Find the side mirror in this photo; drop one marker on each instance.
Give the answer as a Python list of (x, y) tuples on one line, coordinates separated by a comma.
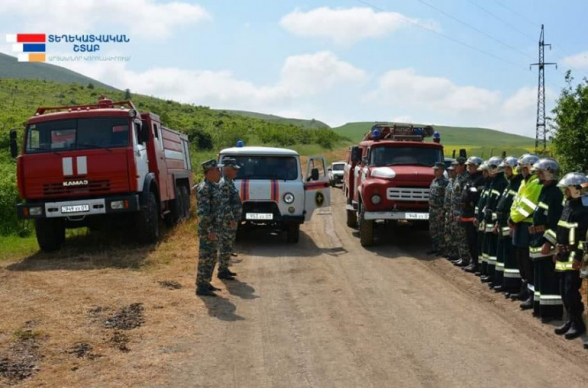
[(13, 145), (355, 154), (314, 174), (364, 160), (144, 134)]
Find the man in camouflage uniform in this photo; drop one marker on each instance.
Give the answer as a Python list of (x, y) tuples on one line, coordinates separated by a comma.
[(231, 216), (456, 209), (450, 248), (436, 216), (209, 225)]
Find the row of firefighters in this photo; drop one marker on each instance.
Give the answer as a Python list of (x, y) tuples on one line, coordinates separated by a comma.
[(521, 229)]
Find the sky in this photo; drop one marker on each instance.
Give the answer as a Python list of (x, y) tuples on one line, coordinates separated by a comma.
[(449, 62)]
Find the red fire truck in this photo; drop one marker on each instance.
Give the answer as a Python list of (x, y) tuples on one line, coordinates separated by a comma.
[(387, 176), (101, 165)]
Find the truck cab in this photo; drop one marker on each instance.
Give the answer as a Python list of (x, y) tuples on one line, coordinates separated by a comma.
[(101, 165), (391, 177), (273, 189)]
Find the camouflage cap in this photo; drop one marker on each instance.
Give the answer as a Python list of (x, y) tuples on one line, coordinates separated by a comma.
[(209, 165), (439, 165), (230, 162), (451, 168), (459, 160)]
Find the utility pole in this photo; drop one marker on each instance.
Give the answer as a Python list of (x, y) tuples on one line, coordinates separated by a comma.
[(541, 131)]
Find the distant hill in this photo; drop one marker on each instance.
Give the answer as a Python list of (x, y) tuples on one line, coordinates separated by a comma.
[(277, 119), (450, 135), (11, 68)]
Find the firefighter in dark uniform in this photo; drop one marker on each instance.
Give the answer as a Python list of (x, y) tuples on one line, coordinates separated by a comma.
[(521, 217), (547, 303), (474, 266), (571, 230), (497, 185), (469, 198), (506, 262)]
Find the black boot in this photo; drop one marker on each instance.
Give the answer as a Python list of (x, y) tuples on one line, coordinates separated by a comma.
[(528, 304), (500, 288), (485, 279), (523, 294), (471, 268), (457, 262), (577, 328), (432, 252), (204, 291), (225, 275), (213, 288)]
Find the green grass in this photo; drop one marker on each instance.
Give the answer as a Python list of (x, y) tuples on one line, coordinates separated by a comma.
[(11, 68), (473, 137), (312, 123), (13, 247)]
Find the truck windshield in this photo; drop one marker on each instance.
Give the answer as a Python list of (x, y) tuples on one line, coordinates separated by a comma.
[(392, 156), (77, 134), (267, 167), (338, 167)]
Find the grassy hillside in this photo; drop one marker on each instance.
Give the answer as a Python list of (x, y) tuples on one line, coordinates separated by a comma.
[(11, 68), (209, 130), (282, 120), (483, 142)]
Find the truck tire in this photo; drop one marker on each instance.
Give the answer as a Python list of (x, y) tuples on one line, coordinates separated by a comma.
[(366, 229), (293, 233), (176, 210), (148, 221), (50, 233), (352, 218), (186, 202)]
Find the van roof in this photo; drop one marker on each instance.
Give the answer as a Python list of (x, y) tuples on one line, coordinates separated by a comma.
[(259, 151)]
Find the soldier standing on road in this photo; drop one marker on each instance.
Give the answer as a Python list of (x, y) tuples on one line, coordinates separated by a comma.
[(521, 216), (497, 185), (505, 256), (231, 216), (450, 248), (436, 214), (209, 215), (456, 209), (571, 229), (547, 300)]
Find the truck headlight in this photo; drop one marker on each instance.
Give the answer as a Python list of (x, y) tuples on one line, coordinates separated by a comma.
[(35, 211), (376, 199), (288, 198), (117, 205)]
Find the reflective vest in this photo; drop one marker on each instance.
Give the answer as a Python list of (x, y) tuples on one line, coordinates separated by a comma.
[(526, 201)]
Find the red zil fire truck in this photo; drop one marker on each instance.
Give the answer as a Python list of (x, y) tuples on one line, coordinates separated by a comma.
[(102, 165), (387, 176)]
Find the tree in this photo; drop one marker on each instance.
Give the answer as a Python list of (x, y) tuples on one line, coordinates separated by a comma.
[(571, 126), (127, 94), (90, 85)]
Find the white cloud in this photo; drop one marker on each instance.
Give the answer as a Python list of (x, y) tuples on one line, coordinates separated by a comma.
[(141, 18), (302, 76), (344, 25), (578, 61)]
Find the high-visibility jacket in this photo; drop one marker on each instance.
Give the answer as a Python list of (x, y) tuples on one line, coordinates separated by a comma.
[(526, 201), (571, 230)]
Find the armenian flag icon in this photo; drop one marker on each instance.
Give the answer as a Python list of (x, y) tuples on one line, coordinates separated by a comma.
[(31, 47)]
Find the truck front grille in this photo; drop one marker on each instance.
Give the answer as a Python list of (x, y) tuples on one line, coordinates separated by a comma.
[(407, 194), (93, 187)]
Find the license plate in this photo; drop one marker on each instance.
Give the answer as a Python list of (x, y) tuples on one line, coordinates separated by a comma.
[(259, 216), (417, 216), (75, 208)]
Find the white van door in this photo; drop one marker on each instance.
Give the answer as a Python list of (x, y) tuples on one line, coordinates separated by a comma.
[(317, 192)]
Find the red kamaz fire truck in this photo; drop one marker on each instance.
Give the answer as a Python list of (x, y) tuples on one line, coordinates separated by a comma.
[(100, 166), (387, 176)]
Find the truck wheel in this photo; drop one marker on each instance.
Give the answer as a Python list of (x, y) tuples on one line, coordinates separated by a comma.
[(352, 218), (50, 233), (148, 221), (366, 229), (176, 210), (186, 202), (293, 233)]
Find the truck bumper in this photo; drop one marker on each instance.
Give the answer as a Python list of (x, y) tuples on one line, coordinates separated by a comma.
[(397, 215), (79, 208)]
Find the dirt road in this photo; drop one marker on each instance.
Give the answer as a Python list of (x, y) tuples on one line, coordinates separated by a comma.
[(328, 313)]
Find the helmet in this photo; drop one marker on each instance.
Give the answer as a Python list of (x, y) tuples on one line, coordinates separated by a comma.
[(574, 181), (474, 160), (494, 165), (483, 167), (549, 166), (510, 161), (528, 160)]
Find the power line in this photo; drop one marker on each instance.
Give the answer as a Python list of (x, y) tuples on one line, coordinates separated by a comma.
[(475, 29), (502, 20), (441, 34), (518, 14)]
